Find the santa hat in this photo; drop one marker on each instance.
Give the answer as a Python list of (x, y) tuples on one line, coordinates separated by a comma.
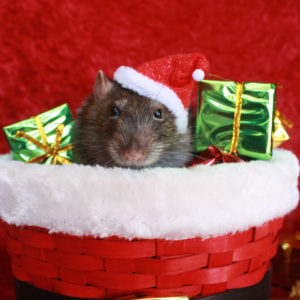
[(168, 80)]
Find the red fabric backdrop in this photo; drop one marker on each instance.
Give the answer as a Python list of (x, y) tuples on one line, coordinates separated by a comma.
[(51, 50)]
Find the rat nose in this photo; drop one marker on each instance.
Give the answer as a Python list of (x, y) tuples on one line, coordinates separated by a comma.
[(134, 154)]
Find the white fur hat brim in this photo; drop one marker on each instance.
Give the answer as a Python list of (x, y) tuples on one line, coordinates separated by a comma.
[(131, 79)]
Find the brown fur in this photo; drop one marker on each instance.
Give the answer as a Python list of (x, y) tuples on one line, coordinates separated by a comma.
[(100, 139)]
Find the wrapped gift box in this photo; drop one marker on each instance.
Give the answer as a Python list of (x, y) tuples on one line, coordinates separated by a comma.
[(45, 138), (236, 117)]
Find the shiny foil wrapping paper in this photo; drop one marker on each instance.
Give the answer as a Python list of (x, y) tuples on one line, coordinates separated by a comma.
[(218, 123), (45, 138), (280, 134)]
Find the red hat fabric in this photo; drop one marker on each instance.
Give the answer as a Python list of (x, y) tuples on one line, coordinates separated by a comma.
[(168, 80)]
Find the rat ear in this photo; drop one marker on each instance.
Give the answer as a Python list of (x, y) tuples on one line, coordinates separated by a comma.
[(102, 86)]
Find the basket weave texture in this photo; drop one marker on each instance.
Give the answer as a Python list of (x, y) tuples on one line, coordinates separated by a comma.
[(88, 267)]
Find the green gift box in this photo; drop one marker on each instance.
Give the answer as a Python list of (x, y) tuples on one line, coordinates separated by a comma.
[(236, 117), (45, 138)]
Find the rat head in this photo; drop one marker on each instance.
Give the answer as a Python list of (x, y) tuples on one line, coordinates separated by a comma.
[(118, 127), (141, 118)]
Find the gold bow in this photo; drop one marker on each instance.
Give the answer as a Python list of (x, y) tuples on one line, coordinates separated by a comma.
[(279, 133), (50, 151)]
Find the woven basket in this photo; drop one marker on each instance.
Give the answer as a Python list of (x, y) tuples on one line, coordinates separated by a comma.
[(113, 267)]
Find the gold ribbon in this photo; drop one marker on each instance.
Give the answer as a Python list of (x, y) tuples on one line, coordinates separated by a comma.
[(50, 151), (280, 135), (237, 113), (283, 119), (237, 118)]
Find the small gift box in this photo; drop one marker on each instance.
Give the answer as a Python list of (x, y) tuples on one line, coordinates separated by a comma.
[(45, 138), (236, 117)]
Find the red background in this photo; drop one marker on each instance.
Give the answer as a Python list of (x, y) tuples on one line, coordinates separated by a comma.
[(51, 50)]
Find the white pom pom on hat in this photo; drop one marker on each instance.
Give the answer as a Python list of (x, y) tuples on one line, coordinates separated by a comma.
[(168, 80), (198, 75)]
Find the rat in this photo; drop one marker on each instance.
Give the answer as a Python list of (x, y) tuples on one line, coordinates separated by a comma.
[(118, 127)]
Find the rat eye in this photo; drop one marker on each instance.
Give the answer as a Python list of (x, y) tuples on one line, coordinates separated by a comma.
[(114, 112), (158, 114)]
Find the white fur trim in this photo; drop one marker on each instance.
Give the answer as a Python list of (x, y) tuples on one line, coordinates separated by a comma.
[(167, 203), (198, 75), (145, 86)]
